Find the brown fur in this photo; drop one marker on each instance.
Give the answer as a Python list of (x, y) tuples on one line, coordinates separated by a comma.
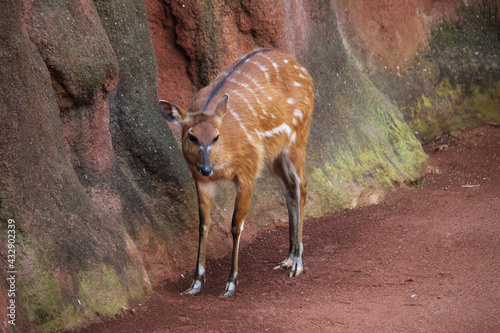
[(264, 119)]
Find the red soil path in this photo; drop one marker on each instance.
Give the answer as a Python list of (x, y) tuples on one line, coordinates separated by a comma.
[(425, 260)]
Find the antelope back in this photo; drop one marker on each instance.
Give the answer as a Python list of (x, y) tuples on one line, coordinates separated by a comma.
[(267, 112)]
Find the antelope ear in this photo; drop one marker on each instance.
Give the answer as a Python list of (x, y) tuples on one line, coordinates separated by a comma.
[(172, 113), (221, 108)]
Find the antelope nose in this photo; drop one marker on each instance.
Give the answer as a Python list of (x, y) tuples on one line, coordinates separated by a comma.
[(205, 170)]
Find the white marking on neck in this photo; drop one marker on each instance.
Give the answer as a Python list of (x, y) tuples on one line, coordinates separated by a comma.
[(290, 100)]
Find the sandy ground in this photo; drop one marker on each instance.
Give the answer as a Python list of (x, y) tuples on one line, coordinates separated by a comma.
[(425, 260)]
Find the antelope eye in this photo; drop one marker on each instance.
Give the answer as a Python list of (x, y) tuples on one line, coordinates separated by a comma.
[(216, 138), (192, 138)]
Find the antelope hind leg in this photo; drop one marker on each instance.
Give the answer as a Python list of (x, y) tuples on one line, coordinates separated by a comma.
[(291, 185)]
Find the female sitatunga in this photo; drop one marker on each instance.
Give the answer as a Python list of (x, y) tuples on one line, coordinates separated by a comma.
[(256, 113)]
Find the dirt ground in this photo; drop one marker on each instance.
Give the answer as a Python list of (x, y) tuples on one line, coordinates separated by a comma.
[(425, 260)]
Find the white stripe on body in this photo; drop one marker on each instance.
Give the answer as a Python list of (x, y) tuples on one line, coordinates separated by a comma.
[(283, 128)]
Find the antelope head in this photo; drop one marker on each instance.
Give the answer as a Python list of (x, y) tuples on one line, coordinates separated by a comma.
[(200, 133)]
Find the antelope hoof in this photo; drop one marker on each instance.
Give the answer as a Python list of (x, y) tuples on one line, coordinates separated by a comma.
[(229, 292), (194, 290), (295, 264)]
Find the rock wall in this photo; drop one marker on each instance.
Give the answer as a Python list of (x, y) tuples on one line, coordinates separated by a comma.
[(87, 172), (438, 61), (93, 178), (350, 115)]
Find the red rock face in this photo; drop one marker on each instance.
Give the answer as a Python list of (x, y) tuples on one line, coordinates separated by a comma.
[(390, 33), (200, 40), (71, 41)]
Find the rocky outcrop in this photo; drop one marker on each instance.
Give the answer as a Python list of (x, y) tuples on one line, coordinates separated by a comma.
[(352, 153), (438, 61), (84, 161)]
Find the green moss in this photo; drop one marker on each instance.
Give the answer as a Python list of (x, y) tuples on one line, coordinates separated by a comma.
[(484, 104), (426, 103), (447, 92), (463, 55), (101, 292), (377, 150), (41, 302), (333, 192), (451, 109), (448, 32)]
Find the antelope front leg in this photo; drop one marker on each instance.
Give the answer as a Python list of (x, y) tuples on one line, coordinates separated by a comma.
[(206, 191), (243, 199)]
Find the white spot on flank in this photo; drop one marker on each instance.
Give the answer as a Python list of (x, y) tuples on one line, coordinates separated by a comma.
[(275, 65), (302, 75), (293, 137), (298, 113), (290, 100), (295, 121), (283, 128), (286, 61), (297, 84)]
